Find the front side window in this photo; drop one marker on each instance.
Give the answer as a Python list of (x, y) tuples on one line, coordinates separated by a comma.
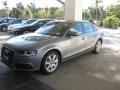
[(16, 21), (76, 29), (41, 23), (88, 27), (30, 21)]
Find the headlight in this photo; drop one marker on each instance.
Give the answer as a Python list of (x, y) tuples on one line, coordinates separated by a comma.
[(28, 53), (10, 27)]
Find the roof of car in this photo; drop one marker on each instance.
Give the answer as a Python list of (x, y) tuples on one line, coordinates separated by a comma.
[(70, 21)]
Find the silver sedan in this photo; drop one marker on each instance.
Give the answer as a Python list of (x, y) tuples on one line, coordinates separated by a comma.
[(51, 45)]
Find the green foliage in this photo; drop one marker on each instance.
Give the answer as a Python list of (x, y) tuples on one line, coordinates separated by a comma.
[(27, 13), (52, 12), (114, 10), (30, 11), (90, 13), (2, 13), (59, 13), (111, 22), (15, 13), (41, 13), (18, 11)]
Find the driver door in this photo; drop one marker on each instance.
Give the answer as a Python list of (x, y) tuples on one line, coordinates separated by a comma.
[(75, 39)]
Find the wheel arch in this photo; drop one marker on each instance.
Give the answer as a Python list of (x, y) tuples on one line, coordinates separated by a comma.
[(56, 50)]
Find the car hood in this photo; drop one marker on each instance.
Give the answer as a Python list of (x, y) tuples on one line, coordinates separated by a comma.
[(32, 40), (16, 25)]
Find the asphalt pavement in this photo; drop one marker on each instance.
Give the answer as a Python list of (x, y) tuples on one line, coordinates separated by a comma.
[(86, 72)]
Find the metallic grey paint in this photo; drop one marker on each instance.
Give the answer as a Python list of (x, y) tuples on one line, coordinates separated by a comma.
[(66, 45)]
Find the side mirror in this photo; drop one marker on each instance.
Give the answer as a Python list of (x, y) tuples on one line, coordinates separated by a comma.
[(72, 34)]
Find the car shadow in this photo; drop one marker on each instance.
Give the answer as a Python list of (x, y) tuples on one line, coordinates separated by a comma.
[(18, 80)]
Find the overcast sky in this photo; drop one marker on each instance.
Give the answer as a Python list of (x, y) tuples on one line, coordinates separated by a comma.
[(52, 3)]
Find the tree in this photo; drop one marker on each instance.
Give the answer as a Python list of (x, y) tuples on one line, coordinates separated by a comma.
[(15, 13), (111, 22), (52, 12), (27, 13), (18, 11), (42, 13), (114, 10), (31, 6), (59, 13), (2, 12), (6, 8)]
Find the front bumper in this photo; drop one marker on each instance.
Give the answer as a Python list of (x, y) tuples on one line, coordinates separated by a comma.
[(10, 31), (31, 63)]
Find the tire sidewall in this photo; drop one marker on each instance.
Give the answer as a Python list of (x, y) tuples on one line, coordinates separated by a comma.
[(43, 68), (95, 50), (5, 29)]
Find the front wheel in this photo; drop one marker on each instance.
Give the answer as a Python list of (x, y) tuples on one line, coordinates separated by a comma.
[(98, 47), (50, 62), (4, 29)]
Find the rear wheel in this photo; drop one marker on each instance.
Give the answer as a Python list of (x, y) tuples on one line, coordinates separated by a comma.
[(98, 47), (50, 62)]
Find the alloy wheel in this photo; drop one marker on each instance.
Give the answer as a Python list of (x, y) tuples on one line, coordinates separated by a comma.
[(51, 63)]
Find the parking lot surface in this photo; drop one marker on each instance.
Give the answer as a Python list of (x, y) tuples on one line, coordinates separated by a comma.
[(86, 72)]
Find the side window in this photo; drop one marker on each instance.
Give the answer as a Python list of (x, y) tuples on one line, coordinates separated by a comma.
[(88, 27), (40, 23), (76, 29)]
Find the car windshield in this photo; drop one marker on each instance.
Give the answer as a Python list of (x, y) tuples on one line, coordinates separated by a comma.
[(6, 20), (30, 21), (55, 29)]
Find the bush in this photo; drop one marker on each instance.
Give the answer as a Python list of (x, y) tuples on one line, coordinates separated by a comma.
[(111, 22), (91, 20), (98, 22), (119, 23)]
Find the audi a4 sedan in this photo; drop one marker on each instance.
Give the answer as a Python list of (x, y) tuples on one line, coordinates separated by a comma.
[(51, 45)]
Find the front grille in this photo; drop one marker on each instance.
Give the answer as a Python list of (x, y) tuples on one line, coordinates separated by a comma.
[(7, 55)]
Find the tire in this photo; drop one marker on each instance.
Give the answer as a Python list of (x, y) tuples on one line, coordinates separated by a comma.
[(50, 62), (16, 33), (98, 47), (4, 29)]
